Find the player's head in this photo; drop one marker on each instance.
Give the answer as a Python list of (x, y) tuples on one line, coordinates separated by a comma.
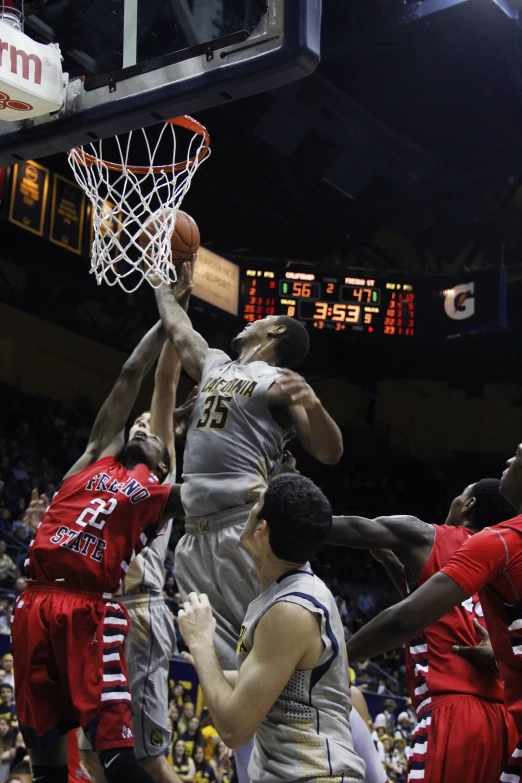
[(290, 521), (285, 338), (141, 424), (150, 450), (511, 482), (480, 505)]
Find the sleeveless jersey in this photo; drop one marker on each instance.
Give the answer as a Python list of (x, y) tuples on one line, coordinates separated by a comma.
[(432, 668), (98, 521), (147, 570), (491, 562), (233, 443), (306, 735)]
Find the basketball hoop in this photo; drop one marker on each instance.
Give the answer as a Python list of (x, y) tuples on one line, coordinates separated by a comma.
[(125, 197)]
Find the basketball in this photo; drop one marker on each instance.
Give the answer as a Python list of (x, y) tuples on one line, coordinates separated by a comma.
[(185, 238)]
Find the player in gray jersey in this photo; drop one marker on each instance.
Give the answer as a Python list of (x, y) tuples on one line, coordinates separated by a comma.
[(291, 686), (245, 413)]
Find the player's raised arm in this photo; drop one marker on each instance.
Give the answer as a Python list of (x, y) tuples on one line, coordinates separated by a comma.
[(107, 436), (394, 532), (166, 380), (318, 433), (190, 345)]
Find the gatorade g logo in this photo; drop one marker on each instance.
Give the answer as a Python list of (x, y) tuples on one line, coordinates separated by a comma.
[(459, 301)]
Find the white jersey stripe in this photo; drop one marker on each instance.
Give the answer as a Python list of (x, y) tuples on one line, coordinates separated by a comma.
[(112, 696)]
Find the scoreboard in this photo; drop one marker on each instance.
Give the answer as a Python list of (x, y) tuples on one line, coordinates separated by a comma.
[(354, 304), (376, 306)]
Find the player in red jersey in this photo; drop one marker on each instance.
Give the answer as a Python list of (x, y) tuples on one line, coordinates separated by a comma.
[(454, 695), (68, 635), (489, 563)]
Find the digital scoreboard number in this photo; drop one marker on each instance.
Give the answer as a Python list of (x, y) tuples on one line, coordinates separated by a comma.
[(361, 305)]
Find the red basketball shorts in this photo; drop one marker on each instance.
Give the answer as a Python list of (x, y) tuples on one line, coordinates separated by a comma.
[(70, 667), (461, 739)]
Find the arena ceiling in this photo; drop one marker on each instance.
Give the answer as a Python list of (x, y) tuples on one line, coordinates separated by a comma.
[(403, 151)]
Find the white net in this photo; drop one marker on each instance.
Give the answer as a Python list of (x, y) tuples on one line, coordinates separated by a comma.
[(134, 207)]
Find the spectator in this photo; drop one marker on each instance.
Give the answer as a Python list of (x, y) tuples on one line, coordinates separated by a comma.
[(187, 712), (178, 694), (379, 731), (183, 765), (399, 760), (7, 751), (204, 770), (7, 705), (174, 718), (210, 738), (7, 665), (8, 570), (223, 763), (403, 730), (387, 718), (192, 737), (5, 620)]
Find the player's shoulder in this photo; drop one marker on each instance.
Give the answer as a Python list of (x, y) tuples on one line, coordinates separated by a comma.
[(215, 357), (100, 465), (445, 533)]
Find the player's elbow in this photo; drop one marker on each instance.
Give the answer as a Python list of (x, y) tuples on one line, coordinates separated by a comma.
[(235, 739), (331, 454)]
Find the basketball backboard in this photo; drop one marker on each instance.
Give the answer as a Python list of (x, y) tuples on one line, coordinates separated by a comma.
[(132, 63)]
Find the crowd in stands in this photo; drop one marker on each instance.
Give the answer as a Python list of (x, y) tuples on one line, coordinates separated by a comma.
[(39, 440)]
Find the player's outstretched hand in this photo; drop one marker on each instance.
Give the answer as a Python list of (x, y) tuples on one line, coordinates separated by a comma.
[(185, 284), (288, 465), (182, 413), (480, 654), (296, 391), (36, 509), (196, 621)]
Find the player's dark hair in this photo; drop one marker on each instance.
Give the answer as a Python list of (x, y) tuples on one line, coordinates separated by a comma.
[(293, 344), (298, 515), (491, 507)]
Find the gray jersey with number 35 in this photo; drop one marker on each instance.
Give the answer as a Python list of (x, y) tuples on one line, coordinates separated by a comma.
[(233, 442)]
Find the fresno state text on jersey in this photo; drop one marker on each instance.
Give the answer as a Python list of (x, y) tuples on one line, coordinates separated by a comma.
[(96, 524)]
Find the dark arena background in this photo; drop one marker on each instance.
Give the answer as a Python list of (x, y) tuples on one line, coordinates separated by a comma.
[(378, 200)]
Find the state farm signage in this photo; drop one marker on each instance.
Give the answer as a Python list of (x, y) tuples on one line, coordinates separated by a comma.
[(29, 66), (31, 79)]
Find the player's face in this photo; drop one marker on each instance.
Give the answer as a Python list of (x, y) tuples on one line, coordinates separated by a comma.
[(457, 512), (146, 449), (511, 482), (254, 333), (142, 424)]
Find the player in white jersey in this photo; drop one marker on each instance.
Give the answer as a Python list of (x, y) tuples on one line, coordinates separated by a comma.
[(245, 413), (290, 689)]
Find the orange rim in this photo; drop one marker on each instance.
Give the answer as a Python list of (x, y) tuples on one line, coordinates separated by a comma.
[(189, 123)]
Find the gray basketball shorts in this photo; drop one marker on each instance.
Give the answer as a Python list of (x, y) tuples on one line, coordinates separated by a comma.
[(210, 559), (148, 651)]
